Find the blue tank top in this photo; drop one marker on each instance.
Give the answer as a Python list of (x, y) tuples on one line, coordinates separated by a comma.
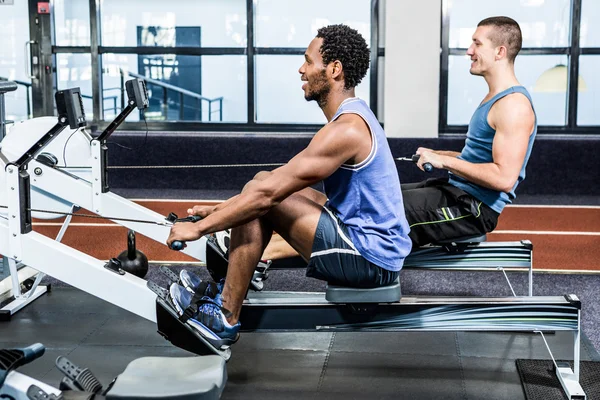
[(368, 199), (478, 149)]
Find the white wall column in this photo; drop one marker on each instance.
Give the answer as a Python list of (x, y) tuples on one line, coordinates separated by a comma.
[(412, 68)]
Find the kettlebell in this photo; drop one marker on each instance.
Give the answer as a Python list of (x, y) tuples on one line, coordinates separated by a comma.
[(132, 260)]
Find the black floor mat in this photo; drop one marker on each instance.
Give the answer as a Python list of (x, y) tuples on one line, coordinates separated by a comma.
[(540, 382)]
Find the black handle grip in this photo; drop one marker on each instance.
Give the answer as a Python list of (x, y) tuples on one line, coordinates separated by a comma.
[(32, 352), (427, 166), (177, 245)]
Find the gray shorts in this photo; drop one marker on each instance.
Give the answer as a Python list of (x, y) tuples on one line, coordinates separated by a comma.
[(335, 259)]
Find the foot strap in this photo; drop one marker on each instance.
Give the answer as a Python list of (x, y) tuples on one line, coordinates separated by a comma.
[(192, 310)]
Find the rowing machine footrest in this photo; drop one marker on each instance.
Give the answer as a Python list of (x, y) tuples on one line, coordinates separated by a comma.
[(179, 333), (77, 378), (14, 358), (383, 294)]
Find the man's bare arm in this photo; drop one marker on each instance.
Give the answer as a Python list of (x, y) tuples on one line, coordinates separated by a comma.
[(332, 146), (449, 153), (513, 119)]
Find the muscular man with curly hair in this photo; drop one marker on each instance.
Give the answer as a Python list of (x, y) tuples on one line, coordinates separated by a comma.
[(356, 234)]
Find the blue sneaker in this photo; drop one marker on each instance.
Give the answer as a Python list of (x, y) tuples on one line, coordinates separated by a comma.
[(209, 319), (192, 283)]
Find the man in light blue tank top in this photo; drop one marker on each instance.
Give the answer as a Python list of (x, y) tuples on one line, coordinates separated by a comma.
[(354, 235), (484, 175)]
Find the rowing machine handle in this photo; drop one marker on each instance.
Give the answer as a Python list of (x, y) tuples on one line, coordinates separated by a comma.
[(427, 166), (177, 245), (32, 352)]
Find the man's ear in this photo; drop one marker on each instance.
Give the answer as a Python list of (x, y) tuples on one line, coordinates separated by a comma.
[(336, 69), (501, 52)]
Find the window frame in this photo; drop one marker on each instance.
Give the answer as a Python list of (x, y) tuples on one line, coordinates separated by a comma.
[(572, 52), (250, 51)]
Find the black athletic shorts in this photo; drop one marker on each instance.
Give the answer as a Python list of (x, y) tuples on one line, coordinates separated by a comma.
[(335, 259)]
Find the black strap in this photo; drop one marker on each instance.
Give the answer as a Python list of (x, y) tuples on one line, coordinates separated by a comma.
[(192, 310)]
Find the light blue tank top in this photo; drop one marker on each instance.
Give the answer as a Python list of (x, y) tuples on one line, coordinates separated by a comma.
[(367, 197), (478, 149)]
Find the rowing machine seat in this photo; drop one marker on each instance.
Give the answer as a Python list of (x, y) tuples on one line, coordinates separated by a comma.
[(465, 239), (383, 294)]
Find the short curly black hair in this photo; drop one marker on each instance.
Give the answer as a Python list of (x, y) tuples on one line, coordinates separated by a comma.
[(340, 42)]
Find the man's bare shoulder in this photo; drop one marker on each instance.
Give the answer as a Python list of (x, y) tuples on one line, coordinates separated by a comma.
[(514, 104), (514, 108), (350, 125)]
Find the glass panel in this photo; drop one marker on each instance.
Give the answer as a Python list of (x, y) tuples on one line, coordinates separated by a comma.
[(465, 91), (590, 30), (14, 31), (588, 102), (211, 88), (75, 70), (294, 24), (279, 96), (544, 23), (189, 23), (72, 22)]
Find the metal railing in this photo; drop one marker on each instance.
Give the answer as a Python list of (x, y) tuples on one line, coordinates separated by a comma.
[(165, 87), (27, 86)]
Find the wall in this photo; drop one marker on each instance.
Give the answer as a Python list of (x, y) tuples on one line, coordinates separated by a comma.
[(411, 98)]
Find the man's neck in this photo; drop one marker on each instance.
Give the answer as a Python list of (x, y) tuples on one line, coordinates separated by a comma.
[(334, 99), (501, 79)]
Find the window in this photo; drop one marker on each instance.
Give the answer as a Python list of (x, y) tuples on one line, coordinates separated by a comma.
[(14, 31), (220, 64), (71, 22), (295, 24), (590, 31), (279, 91), (589, 91), (548, 51), (174, 83), (75, 70), (219, 23)]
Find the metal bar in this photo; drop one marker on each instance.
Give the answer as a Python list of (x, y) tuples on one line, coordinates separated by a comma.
[(168, 86), (96, 61), (293, 311), (508, 280), (577, 348), (288, 51), (574, 64), (165, 103), (110, 129), (28, 95), (251, 67), (528, 51), (531, 276), (543, 129), (589, 50), (374, 70), (309, 129), (182, 51), (444, 54), (2, 117), (210, 111), (122, 82), (220, 110), (71, 49), (181, 110)]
